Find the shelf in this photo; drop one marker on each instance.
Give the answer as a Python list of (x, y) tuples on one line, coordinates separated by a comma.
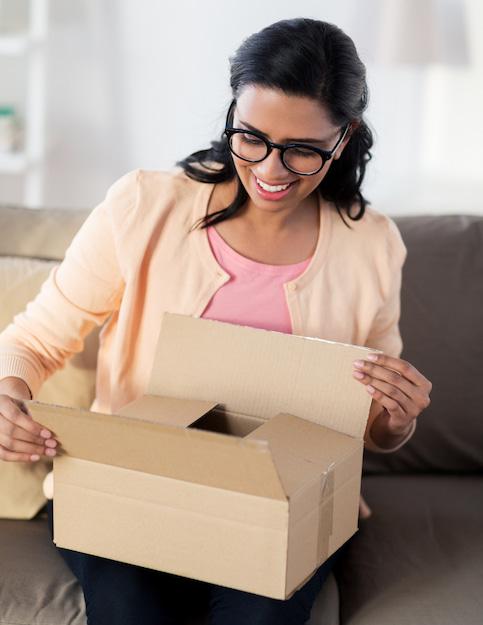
[(13, 163), (26, 47), (14, 45)]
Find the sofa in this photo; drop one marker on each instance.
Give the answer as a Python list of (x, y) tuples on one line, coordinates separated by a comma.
[(418, 559)]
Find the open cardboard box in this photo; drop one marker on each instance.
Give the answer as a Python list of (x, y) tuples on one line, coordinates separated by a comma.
[(240, 467)]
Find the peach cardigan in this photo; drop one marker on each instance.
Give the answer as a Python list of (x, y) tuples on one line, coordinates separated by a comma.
[(135, 257)]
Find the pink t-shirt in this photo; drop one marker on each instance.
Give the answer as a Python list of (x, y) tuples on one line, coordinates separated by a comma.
[(254, 295)]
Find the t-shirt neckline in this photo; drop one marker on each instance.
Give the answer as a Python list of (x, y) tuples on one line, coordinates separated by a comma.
[(253, 266)]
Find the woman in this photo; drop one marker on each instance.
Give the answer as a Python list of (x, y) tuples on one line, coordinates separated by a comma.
[(266, 228)]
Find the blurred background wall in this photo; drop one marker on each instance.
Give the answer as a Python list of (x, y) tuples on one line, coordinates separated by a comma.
[(141, 84)]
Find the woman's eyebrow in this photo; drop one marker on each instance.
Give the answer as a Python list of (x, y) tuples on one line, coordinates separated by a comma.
[(250, 127)]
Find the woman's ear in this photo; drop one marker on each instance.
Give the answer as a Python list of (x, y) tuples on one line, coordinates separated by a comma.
[(352, 128)]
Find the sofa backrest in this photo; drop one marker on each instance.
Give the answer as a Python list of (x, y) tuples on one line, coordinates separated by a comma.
[(38, 233), (442, 330)]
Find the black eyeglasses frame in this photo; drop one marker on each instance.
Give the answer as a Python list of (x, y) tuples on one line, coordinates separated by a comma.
[(325, 155)]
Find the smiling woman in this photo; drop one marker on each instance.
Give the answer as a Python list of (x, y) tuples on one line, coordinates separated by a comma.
[(292, 80), (266, 228)]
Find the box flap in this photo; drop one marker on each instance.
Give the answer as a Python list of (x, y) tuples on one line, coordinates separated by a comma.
[(260, 373), (303, 451), (181, 453), (168, 410)]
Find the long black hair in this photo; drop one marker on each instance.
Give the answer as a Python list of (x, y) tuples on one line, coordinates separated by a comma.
[(301, 57)]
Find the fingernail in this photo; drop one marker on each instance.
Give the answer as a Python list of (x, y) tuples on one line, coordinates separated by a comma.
[(50, 452), (358, 363), (358, 375), (370, 389), (51, 442), (45, 434), (372, 357), (34, 457)]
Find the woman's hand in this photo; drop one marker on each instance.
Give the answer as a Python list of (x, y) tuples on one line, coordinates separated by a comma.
[(400, 393), (21, 438)]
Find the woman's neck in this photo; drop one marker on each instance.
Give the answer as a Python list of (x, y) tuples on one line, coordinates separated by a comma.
[(276, 238)]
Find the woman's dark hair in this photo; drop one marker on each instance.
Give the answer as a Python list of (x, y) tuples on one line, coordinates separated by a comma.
[(301, 57)]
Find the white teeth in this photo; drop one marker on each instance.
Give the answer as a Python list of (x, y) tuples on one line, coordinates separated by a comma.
[(267, 187)]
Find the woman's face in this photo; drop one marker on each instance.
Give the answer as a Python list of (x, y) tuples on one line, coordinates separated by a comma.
[(282, 118)]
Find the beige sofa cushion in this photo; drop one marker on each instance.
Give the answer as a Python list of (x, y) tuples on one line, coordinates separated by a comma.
[(20, 483)]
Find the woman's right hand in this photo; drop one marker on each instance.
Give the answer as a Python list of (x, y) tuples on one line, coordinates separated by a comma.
[(21, 438)]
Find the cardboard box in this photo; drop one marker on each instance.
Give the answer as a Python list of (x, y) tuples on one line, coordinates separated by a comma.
[(240, 467)]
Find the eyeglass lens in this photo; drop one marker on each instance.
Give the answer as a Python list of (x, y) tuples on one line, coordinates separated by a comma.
[(252, 148)]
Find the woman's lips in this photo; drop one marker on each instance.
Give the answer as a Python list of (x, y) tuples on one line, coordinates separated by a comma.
[(273, 195)]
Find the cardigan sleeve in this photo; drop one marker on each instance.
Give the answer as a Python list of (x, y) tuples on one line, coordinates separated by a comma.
[(79, 294), (385, 334)]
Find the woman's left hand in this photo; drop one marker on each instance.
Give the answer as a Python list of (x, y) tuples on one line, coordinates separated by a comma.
[(397, 386)]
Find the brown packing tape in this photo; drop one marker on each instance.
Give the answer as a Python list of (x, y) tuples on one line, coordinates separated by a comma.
[(307, 524), (326, 517), (310, 532)]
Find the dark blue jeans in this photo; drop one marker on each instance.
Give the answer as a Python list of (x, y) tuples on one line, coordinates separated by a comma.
[(122, 594)]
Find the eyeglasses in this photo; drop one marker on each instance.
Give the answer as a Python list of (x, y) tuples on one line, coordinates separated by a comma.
[(299, 158)]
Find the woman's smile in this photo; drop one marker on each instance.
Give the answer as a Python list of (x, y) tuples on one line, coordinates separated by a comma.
[(273, 191)]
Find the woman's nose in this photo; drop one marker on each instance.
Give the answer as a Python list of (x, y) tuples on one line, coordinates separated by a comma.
[(271, 169)]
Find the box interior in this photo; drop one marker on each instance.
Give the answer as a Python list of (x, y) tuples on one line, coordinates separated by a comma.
[(224, 422)]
